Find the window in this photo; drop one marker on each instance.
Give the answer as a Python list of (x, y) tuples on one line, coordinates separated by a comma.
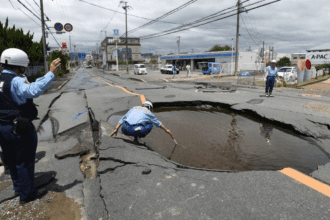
[(136, 56), (136, 49), (294, 58)]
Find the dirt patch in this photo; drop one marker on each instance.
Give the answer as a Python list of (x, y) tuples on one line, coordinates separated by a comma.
[(318, 107), (5, 185), (52, 206)]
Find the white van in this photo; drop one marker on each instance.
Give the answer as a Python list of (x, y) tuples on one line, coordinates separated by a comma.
[(288, 73), (140, 69)]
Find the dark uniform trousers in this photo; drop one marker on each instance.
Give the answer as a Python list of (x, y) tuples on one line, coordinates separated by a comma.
[(19, 150), (270, 83)]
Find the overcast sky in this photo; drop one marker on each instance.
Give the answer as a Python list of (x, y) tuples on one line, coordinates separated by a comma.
[(290, 26)]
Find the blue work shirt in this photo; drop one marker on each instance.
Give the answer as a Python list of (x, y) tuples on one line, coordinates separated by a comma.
[(21, 90), (140, 115), (272, 71), (174, 69)]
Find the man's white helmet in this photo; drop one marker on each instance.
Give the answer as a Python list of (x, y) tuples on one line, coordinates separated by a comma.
[(148, 105), (273, 61), (16, 57)]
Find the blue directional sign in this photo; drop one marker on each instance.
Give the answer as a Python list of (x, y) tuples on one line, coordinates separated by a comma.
[(116, 31), (71, 55), (81, 55)]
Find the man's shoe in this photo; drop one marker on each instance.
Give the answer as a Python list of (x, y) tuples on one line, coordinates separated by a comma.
[(40, 193)]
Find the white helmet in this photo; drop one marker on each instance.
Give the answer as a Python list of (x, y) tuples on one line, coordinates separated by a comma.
[(148, 105), (273, 61), (16, 57)]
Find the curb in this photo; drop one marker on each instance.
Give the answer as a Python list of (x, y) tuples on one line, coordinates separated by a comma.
[(312, 82), (58, 88), (141, 80)]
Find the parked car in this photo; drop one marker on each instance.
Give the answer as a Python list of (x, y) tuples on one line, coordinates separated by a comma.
[(89, 66), (140, 69), (168, 69), (210, 67), (288, 73)]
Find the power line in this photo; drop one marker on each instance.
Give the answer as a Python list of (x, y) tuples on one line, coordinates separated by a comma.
[(175, 31), (248, 31), (111, 18), (39, 9), (124, 13), (212, 16), (31, 7), (30, 18), (12, 5), (28, 9), (163, 16)]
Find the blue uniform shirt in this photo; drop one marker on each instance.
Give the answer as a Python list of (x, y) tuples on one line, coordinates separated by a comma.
[(21, 91), (140, 115), (272, 71)]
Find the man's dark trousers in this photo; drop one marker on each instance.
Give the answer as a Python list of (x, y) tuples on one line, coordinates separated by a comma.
[(20, 151), (270, 83)]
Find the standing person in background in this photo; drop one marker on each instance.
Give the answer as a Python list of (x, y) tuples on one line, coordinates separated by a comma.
[(174, 70), (18, 137), (270, 78), (188, 70)]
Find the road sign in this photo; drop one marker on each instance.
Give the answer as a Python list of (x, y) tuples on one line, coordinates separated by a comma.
[(64, 44), (79, 56), (308, 64), (116, 31), (68, 27), (58, 26)]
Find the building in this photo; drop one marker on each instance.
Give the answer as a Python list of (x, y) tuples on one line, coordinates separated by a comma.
[(108, 51), (279, 56), (296, 56), (148, 57), (319, 55), (248, 60)]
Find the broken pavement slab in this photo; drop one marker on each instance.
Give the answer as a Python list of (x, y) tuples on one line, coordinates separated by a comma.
[(78, 150), (322, 173), (67, 107)]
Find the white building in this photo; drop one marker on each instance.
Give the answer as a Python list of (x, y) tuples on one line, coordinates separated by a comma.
[(319, 55), (248, 60)]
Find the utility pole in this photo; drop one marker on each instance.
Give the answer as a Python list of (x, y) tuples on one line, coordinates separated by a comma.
[(178, 44), (70, 45), (272, 53), (269, 54), (263, 51), (237, 36), (126, 52), (105, 34), (43, 35)]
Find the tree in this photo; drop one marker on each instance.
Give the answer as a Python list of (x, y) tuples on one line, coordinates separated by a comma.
[(64, 60), (15, 38), (153, 61), (218, 47), (284, 61)]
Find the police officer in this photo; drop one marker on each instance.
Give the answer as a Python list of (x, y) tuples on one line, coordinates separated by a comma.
[(18, 137), (138, 122), (270, 80)]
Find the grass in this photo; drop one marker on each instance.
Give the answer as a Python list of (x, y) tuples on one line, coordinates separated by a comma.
[(312, 80)]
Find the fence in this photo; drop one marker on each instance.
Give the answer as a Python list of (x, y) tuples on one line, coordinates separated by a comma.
[(34, 69), (253, 77)]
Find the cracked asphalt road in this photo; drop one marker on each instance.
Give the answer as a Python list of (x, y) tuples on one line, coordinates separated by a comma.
[(135, 182)]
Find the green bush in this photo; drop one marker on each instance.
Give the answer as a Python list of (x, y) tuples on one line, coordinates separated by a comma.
[(153, 61), (121, 62), (320, 67), (60, 72), (130, 62)]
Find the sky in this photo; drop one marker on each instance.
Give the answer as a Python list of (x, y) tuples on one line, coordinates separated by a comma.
[(290, 26)]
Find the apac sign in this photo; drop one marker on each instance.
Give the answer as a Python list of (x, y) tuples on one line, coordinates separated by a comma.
[(319, 57)]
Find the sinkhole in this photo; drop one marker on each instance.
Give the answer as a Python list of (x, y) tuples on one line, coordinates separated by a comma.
[(214, 138)]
